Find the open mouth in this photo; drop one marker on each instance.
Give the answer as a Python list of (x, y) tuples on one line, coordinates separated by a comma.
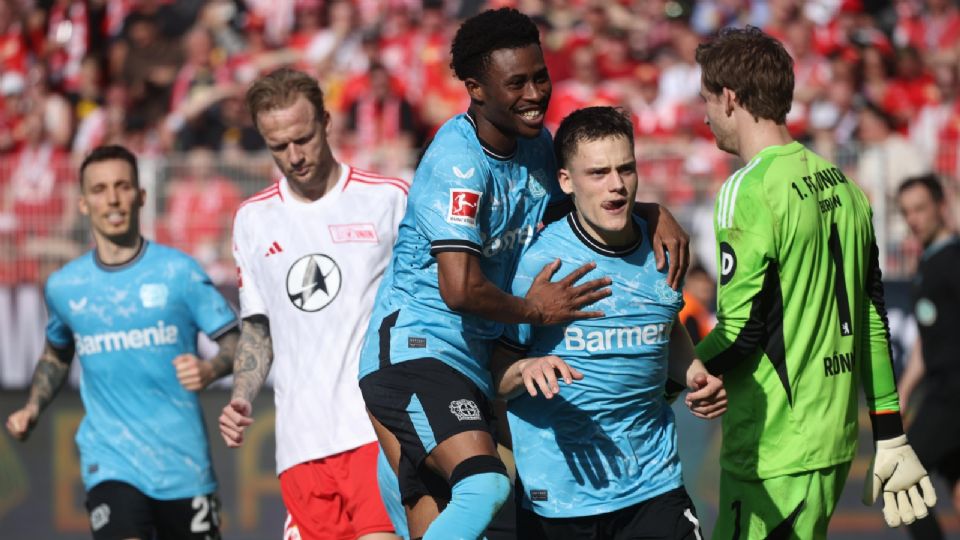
[(115, 218), (531, 116)]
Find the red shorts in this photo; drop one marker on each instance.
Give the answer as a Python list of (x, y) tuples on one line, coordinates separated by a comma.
[(336, 497)]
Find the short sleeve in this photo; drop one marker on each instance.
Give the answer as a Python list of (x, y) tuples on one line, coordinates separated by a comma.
[(251, 301), (449, 191), (57, 332), (209, 308)]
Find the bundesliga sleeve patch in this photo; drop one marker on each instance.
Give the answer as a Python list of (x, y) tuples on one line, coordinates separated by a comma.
[(464, 204)]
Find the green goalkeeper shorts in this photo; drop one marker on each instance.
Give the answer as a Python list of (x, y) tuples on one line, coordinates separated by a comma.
[(794, 507)]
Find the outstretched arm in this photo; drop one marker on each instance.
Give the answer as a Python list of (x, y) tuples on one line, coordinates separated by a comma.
[(196, 374), (253, 360), (48, 377), (465, 289)]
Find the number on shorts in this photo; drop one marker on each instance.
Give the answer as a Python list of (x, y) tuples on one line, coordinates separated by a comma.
[(205, 506)]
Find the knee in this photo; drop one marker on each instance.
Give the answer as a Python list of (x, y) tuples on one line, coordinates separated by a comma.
[(481, 478)]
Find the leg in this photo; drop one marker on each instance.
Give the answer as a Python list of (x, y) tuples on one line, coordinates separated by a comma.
[(358, 483), (313, 500), (119, 510), (192, 518)]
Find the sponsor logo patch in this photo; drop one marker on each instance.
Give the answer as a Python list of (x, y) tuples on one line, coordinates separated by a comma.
[(354, 232), (464, 204), (417, 342), (464, 409), (313, 282), (728, 263), (99, 517), (538, 495)]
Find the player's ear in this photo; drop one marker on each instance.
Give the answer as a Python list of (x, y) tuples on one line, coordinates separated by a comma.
[(141, 198), (729, 100), (565, 181), (325, 122), (474, 89)]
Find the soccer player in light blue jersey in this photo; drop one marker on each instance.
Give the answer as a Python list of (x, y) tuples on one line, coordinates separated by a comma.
[(598, 459), (484, 186), (131, 310)]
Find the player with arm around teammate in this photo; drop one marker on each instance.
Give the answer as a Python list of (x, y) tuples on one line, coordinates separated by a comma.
[(483, 187), (801, 318), (598, 458), (130, 310), (310, 252)]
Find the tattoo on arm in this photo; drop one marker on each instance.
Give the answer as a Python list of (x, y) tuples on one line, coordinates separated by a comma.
[(254, 357), (222, 363), (50, 374)]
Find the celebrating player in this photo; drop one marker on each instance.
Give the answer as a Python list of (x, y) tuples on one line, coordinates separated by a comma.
[(479, 194), (131, 309), (801, 320), (598, 459), (310, 251), (934, 432)]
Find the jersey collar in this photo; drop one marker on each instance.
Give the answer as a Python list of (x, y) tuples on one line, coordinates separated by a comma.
[(487, 149), (141, 251), (609, 251), (936, 247)]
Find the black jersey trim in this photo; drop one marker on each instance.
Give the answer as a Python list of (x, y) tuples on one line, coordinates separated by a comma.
[(487, 149), (512, 345), (463, 246), (874, 283), (764, 329), (219, 332), (886, 425), (107, 267), (785, 529), (386, 325), (609, 251)]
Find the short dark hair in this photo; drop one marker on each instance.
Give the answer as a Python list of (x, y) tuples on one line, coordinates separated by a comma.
[(110, 152), (280, 89), (589, 124), (929, 181), (492, 30), (752, 64)]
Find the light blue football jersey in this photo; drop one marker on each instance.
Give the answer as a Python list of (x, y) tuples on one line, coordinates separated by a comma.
[(128, 322), (464, 198), (608, 441)]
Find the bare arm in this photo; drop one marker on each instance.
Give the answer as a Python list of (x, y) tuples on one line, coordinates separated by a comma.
[(707, 397), (253, 359), (513, 374), (465, 289), (48, 378), (196, 374), (912, 374)]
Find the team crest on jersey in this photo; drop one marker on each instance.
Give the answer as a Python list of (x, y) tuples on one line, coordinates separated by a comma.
[(536, 185), (464, 204), (464, 409), (154, 295), (354, 232), (666, 294), (313, 282), (99, 517)]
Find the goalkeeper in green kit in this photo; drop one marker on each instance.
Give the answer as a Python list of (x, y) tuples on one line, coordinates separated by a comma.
[(801, 320)]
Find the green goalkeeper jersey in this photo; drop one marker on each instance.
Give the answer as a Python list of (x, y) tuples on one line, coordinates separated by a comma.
[(801, 321)]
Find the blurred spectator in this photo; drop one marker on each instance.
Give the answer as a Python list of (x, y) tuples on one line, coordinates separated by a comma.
[(680, 74), (699, 304), (53, 107), (887, 158), (709, 16), (934, 28), (586, 88), (204, 68), (68, 39), (811, 73), (88, 96), (199, 212), (146, 62), (380, 125), (336, 48), (933, 126), (13, 44)]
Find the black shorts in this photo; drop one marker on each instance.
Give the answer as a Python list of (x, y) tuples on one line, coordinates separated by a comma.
[(119, 510), (423, 403), (935, 437), (669, 516)]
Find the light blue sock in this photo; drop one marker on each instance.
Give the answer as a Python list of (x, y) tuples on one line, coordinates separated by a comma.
[(474, 501)]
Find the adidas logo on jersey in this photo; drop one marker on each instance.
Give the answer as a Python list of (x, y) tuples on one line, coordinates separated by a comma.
[(139, 338), (608, 339), (274, 249)]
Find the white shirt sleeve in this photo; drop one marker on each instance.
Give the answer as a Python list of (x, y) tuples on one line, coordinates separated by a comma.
[(251, 301)]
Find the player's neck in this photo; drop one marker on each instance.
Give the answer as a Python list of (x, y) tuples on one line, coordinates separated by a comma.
[(491, 136), (116, 251), (325, 180), (756, 136), (611, 239)]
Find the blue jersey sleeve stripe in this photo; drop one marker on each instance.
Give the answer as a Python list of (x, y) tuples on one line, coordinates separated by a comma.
[(441, 246)]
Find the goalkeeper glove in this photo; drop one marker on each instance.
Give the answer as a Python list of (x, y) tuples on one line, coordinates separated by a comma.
[(897, 471)]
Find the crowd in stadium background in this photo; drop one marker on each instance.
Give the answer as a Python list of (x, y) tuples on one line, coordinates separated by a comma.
[(876, 92)]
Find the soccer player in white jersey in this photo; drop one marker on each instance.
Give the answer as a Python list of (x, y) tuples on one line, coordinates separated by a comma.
[(130, 309), (310, 252)]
